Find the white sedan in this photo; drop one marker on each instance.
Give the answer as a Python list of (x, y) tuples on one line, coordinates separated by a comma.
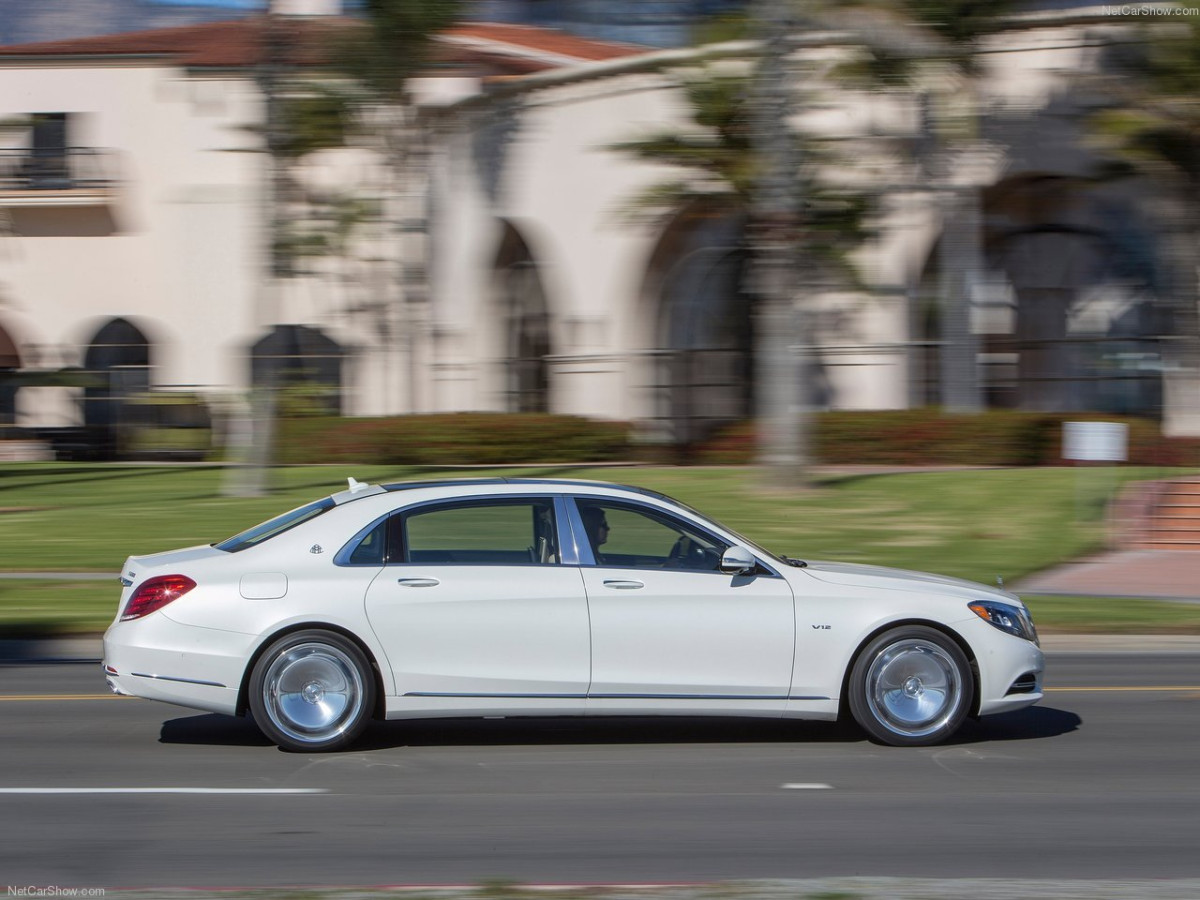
[(532, 597)]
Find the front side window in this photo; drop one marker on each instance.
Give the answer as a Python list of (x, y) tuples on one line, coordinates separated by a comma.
[(635, 537), (492, 532)]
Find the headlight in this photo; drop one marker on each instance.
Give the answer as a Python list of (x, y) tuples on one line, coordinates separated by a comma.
[(1008, 618)]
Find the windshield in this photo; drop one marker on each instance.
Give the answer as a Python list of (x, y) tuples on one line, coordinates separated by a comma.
[(277, 525)]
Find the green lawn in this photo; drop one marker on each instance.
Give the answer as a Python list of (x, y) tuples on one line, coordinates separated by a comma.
[(57, 517)]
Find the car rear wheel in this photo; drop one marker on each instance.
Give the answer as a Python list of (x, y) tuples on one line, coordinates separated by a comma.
[(312, 691), (911, 686)]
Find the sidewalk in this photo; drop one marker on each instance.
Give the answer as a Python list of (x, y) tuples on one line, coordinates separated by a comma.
[(1144, 574)]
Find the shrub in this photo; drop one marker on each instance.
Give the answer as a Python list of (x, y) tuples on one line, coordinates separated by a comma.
[(453, 439), (931, 437)]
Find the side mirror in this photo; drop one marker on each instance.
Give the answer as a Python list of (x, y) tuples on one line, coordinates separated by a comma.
[(738, 561)]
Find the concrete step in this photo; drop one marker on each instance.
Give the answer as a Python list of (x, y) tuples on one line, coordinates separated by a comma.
[(1176, 512), (1175, 523), (1173, 544)]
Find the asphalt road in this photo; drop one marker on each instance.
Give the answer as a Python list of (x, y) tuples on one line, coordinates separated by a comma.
[(1099, 782)]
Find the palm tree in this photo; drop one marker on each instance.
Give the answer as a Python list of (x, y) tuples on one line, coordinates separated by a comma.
[(1150, 123), (933, 48), (361, 87), (721, 166), (394, 43)]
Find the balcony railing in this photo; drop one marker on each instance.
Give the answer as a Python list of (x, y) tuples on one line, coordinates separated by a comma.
[(70, 176)]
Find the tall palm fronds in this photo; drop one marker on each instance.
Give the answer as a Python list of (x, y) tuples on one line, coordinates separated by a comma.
[(719, 165), (1151, 111), (1149, 121)]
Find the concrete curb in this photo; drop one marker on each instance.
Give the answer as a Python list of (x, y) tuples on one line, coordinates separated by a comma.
[(850, 888)]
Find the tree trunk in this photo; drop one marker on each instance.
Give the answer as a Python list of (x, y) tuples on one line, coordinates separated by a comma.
[(962, 270), (781, 405)]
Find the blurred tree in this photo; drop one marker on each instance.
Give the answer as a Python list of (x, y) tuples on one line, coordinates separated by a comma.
[(370, 62), (1148, 118), (933, 48), (726, 163), (393, 44)]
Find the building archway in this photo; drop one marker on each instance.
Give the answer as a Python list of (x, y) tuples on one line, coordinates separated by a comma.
[(10, 364), (1069, 316), (698, 279), (117, 364), (302, 366), (524, 314)]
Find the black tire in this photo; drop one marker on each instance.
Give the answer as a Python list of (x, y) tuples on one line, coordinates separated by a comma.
[(911, 687), (312, 691)]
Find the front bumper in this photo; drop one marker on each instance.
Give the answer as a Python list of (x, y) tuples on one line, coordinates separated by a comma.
[(1010, 673)]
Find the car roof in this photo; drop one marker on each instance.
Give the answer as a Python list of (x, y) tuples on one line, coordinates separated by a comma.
[(547, 482)]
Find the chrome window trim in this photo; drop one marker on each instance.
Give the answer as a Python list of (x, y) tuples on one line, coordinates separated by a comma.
[(342, 558)]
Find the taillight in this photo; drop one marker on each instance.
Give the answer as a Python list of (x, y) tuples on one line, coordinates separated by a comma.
[(155, 593)]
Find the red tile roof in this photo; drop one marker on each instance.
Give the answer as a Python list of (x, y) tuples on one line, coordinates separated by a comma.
[(543, 41), (499, 49)]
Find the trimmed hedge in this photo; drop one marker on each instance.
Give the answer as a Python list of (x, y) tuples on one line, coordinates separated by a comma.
[(453, 439), (905, 437), (930, 437)]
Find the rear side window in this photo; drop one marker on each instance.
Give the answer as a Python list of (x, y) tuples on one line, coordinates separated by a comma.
[(275, 526), (496, 532)]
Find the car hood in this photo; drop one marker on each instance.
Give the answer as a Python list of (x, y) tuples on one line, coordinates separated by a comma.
[(856, 575)]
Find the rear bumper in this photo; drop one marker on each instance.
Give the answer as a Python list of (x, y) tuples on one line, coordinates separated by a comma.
[(158, 659)]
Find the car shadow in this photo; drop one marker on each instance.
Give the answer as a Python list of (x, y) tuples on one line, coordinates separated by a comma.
[(213, 730), (217, 730), (1031, 723)]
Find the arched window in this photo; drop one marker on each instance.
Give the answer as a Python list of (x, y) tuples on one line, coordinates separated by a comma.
[(700, 278), (304, 365), (526, 322), (10, 364), (117, 363)]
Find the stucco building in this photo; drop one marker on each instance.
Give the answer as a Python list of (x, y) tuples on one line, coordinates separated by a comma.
[(504, 272)]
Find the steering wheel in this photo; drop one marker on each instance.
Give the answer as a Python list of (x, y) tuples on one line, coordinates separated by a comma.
[(688, 554), (679, 552)]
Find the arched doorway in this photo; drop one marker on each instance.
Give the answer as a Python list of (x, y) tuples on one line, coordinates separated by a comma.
[(1068, 316), (699, 277), (117, 364), (1078, 272), (525, 321), (10, 364), (303, 366)]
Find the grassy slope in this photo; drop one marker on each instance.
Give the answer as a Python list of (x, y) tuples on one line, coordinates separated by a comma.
[(972, 524)]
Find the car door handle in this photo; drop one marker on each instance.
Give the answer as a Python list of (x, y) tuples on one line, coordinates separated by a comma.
[(418, 582), (618, 585)]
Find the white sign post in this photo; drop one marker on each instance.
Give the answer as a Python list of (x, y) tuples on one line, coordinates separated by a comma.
[(1094, 442)]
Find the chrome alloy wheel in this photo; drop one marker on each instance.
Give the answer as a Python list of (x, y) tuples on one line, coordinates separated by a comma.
[(914, 687), (313, 692)]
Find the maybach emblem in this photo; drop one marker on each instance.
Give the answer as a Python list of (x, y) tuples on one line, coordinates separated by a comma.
[(316, 548)]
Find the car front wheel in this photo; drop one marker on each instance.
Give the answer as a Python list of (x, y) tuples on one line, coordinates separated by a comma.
[(911, 686), (312, 691)]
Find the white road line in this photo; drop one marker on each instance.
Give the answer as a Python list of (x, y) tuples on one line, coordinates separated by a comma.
[(158, 790), (814, 786)]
